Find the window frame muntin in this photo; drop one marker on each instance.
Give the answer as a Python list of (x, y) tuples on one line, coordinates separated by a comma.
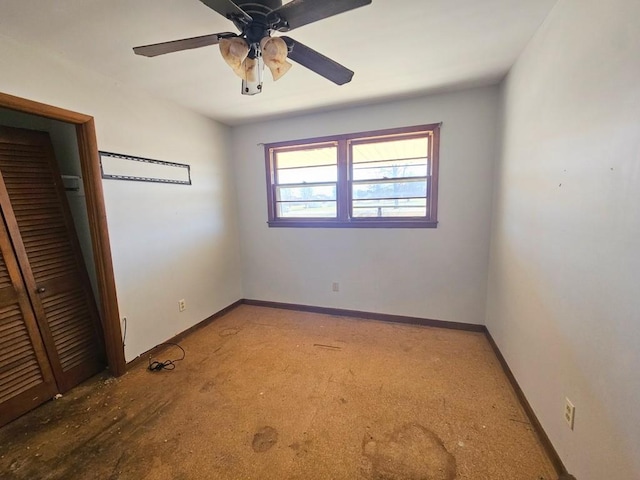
[(344, 191)]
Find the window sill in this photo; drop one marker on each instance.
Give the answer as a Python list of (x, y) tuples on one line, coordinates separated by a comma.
[(408, 223)]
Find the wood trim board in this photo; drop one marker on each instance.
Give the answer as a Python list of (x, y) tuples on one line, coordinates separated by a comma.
[(426, 322)]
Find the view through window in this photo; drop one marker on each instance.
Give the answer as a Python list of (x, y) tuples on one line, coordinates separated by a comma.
[(371, 179), (307, 182)]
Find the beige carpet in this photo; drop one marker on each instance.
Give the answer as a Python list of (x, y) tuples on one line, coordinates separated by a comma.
[(274, 394)]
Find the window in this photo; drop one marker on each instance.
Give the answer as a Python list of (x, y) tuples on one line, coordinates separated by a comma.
[(386, 178)]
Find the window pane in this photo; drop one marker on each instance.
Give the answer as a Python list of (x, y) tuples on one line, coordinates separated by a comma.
[(307, 210), (416, 188), (410, 207), (307, 175), (391, 169), (390, 178), (311, 157), (325, 192), (391, 150)]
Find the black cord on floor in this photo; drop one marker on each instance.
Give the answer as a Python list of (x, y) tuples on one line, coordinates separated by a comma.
[(155, 366)]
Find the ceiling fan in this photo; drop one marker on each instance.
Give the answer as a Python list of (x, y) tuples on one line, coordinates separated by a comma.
[(248, 52)]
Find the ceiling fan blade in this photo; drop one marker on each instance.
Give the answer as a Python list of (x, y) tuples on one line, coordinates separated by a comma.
[(301, 12), (227, 9), (179, 45), (317, 62)]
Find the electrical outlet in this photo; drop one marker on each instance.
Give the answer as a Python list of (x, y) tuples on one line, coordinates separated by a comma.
[(335, 286), (182, 305), (569, 413)]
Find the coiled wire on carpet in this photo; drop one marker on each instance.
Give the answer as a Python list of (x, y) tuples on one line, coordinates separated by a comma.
[(155, 366)]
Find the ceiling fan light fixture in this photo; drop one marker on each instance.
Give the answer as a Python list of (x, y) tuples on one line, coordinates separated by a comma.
[(274, 53), (235, 51)]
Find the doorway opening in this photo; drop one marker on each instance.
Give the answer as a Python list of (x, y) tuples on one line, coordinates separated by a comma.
[(97, 219)]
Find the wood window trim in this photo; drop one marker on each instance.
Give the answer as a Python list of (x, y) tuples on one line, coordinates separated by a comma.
[(344, 143), (92, 180)]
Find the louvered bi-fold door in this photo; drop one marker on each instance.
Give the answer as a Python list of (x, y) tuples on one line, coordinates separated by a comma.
[(25, 375), (40, 226)]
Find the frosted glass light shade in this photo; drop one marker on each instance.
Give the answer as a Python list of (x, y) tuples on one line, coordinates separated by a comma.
[(234, 51), (274, 53)]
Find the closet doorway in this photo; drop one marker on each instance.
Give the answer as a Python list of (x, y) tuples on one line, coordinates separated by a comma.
[(50, 333), (24, 294)]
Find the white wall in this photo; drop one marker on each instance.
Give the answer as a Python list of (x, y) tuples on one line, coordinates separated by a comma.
[(564, 298), (168, 241), (429, 273)]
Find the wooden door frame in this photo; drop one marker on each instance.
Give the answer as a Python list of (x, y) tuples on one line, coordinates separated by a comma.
[(94, 198)]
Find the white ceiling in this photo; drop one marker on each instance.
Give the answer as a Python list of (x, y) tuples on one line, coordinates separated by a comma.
[(398, 48)]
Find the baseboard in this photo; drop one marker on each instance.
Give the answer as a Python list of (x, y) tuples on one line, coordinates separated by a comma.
[(427, 322), (535, 423), (308, 308), (180, 336)]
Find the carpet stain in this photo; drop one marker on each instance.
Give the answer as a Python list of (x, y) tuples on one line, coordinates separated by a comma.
[(264, 439), (227, 332), (301, 448), (412, 452), (207, 387)]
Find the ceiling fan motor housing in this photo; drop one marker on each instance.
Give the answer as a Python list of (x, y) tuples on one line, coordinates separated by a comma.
[(258, 28)]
